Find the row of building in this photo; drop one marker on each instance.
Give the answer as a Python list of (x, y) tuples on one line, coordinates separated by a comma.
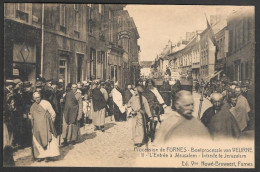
[(73, 42), (227, 46)]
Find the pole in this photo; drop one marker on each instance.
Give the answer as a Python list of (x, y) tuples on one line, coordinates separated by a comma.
[(201, 100), (42, 41)]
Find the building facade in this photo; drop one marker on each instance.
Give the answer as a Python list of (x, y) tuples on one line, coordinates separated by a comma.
[(241, 49), (73, 42)]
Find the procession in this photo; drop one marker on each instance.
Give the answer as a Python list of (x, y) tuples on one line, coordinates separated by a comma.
[(62, 105)]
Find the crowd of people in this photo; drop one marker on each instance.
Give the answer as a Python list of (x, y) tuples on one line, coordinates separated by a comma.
[(44, 114)]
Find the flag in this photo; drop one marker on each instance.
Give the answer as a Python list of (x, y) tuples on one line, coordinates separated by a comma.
[(211, 33), (212, 38)]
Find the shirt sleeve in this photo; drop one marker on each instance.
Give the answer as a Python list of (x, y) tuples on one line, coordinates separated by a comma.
[(146, 107), (50, 109), (80, 106)]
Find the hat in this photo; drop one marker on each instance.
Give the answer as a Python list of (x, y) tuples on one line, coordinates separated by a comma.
[(27, 84), (54, 82), (60, 80), (49, 80), (9, 82), (38, 84), (42, 79), (17, 81)]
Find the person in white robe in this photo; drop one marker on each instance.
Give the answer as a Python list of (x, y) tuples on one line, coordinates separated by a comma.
[(45, 142)]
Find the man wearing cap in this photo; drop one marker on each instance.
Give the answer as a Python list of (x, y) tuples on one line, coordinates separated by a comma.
[(99, 107), (119, 108), (72, 114), (181, 123), (219, 120)]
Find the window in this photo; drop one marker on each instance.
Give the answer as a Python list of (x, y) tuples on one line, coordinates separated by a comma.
[(79, 67), (76, 7), (100, 8), (62, 15), (76, 19), (110, 31), (63, 70), (231, 41), (89, 20), (21, 7), (249, 30), (109, 15), (63, 18), (93, 63), (21, 12)]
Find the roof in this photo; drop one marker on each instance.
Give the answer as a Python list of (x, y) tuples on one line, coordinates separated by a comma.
[(146, 64)]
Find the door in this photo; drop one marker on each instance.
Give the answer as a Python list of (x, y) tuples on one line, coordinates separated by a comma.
[(79, 67), (63, 70)]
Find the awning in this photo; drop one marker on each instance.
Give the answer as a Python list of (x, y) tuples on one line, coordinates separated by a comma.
[(208, 78)]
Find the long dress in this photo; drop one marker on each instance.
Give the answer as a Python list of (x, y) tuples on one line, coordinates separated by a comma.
[(137, 120), (98, 107), (45, 142), (223, 124), (119, 108), (72, 114), (240, 112)]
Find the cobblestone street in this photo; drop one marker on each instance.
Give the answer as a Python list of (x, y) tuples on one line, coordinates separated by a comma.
[(114, 147)]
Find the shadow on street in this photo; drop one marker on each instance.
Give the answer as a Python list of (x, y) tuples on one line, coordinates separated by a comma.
[(109, 125)]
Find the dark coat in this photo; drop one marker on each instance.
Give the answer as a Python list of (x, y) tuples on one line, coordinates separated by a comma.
[(223, 124), (128, 95), (71, 108), (98, 99)]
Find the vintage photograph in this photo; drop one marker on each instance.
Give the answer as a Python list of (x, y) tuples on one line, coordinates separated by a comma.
[(128, 85)]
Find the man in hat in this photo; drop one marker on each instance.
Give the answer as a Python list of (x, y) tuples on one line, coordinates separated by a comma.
[(8, 124), (54, 99), (128, 93), (72, 114), (219, 120), (99, 106), (27, 103), (18, 113), (119, 108), (165, 91), (181, 123), (47, 90), (109, 88), (154, 107), (45, 142)]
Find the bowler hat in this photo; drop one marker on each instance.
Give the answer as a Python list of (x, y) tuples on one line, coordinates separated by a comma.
[(38, 84), (27, 84), (17, 81)]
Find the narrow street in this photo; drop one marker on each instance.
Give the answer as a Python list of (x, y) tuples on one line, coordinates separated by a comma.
[(112, 148)]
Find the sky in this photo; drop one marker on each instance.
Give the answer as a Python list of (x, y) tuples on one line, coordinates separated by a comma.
[(157, 24)]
